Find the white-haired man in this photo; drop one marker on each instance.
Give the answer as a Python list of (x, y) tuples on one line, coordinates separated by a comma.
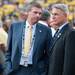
[(62, 51)]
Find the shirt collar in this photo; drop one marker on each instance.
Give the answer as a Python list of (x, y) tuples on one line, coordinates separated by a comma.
[(27, 24), (53, 31)]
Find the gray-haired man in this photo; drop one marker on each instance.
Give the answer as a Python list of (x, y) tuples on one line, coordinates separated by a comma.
[(62, 52)]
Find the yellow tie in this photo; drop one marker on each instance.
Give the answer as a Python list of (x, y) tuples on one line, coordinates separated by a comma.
[(27, 42)]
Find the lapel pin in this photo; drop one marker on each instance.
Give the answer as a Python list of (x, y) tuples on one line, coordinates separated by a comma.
[(40, 31), (59, 35)]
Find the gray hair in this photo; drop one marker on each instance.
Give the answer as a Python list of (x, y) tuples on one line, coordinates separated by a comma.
[(24, 8), (62, 7)]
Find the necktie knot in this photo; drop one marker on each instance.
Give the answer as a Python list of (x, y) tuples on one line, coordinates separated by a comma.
[(56, 34)]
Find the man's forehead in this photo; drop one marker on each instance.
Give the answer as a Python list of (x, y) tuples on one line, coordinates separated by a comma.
[(36, 8), (57, 10)]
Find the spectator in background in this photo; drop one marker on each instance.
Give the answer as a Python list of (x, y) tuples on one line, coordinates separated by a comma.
[(3, 45), (14, 17), (6, 23), (44, 20), (23, 15), (23, 12)]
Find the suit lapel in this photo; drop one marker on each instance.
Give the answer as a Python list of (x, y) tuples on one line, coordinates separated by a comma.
[(22, 31), (59, 35), (38, 33), (54, 41), (18, 41)]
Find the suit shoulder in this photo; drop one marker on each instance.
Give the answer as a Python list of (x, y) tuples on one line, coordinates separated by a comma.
[(72, 32), (43, 26), (17, 23), (70, 35)]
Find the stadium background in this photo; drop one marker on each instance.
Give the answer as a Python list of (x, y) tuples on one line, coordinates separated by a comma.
[(8, 6)]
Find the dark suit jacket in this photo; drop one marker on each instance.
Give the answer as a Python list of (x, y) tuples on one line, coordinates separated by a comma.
[(62, 53), (40, 49)]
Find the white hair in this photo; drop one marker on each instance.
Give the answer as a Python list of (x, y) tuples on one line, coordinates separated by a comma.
[(62, 7)]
